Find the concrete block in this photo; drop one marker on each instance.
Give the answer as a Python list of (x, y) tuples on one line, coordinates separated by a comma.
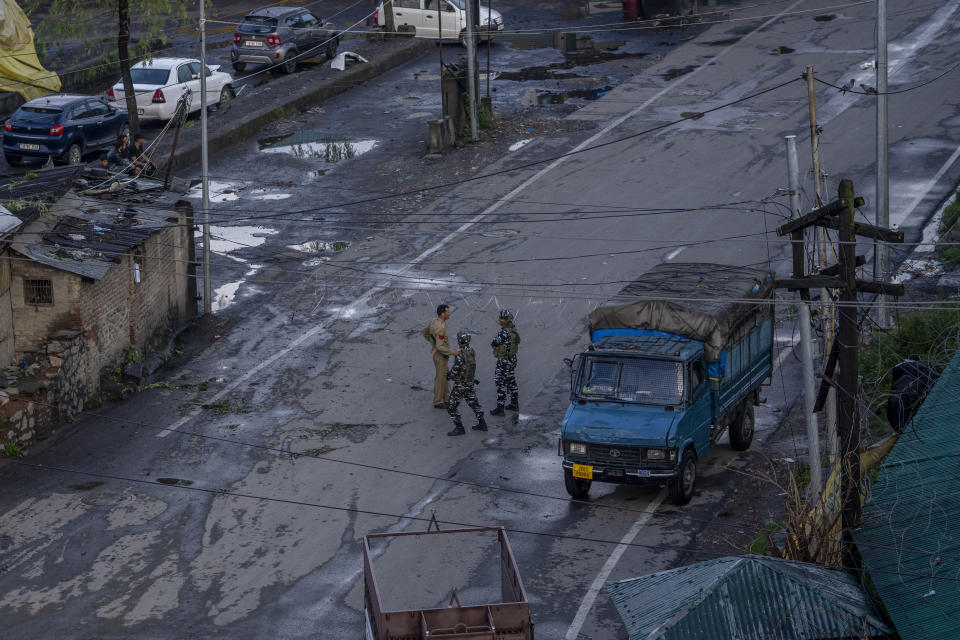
[(56, 361)]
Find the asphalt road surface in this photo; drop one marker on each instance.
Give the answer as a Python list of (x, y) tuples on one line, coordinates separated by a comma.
[(320, 353)]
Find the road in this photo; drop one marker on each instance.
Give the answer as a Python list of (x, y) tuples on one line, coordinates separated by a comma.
[(316, 352)]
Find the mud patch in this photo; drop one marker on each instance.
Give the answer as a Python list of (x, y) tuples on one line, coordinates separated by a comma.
[(779, 51), (85, 486), (179, 482), (673, 74), (561, 97), (825, 17)]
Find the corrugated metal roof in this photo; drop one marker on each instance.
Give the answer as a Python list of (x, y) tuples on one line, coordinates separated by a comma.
[(746, 597), (648, 345), (910, 535), (44, 182)]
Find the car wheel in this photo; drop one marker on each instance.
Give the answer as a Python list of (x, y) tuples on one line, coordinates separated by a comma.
[(463, 39), (239, 67), (226, 94), (332, 47), (741, 431), (13, 161), (74, 154), (578, 488), (681, 487), (289, 63)]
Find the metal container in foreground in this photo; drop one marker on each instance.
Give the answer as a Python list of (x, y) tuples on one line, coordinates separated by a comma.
[(508, 619)]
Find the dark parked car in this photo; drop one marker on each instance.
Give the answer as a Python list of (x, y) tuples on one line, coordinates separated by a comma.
[(64, 127), (277, 35)]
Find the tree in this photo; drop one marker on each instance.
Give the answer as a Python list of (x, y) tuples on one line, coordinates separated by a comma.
[(84, 19)]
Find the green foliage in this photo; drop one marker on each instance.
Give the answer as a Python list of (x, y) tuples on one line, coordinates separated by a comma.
[(759, 545), (12, 450), (132, 354), (92, 403), (950, 216), (221, 408), (485, 118), (203, 386), (160, 384), (951, 254), (929, 336)]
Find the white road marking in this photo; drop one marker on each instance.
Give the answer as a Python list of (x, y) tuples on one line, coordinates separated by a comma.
[(608, 566)]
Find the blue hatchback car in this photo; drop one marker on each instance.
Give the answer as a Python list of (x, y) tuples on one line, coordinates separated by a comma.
[(62, 127)]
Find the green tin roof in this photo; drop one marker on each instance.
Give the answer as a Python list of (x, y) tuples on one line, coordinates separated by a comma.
[(746, 597), (910, 534)]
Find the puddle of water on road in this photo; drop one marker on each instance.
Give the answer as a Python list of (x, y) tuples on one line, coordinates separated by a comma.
[(227, 239), (219, 190), (584, 59), (561, 97), (316, 145), (263, 194), (673, 74), (722, 43), (85, 486), (779, 51), (316, 246), (825, 18), (520, 144)]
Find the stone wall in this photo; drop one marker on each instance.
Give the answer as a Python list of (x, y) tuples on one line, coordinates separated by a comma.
[(53, 390)]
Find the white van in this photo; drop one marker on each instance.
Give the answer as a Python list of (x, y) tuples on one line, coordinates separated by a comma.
[(448, 22)]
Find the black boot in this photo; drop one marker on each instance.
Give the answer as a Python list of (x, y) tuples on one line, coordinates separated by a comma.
[(457, 428), (498, 410), (481, 424), (514, 405)]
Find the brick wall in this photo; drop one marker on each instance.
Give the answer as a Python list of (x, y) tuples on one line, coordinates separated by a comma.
[(33, 323)]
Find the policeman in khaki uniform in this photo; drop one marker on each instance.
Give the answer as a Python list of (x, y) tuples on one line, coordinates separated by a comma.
[(436, 335), (462, 373), (505, 345)]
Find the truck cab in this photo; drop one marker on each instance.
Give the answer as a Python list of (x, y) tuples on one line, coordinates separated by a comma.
[(640, 412)]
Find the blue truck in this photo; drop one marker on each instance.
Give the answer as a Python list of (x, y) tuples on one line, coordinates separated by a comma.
[(675, 359)]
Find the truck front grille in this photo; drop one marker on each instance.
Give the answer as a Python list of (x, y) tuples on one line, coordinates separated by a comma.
[(614, 455)]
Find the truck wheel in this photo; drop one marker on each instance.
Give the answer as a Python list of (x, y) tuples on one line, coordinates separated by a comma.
[(576, 487), (681, 487), (741, 431)]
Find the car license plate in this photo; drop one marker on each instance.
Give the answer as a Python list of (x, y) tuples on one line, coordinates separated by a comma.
[(584, 471), (29, 147), (252, 43)]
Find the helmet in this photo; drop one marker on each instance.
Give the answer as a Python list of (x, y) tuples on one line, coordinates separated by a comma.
[(506, 314), (463, 337)]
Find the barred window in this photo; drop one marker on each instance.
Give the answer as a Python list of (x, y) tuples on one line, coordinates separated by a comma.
[(38, 291)]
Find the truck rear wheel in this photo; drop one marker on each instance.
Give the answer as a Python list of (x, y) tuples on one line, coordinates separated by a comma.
[(741, 431), (681, 487), (576, 487)]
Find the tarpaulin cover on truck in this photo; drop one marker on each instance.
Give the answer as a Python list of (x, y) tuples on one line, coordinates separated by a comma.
[(705, 302), (20, 69)]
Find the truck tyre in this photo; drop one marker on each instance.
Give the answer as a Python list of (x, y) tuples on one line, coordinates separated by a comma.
[(239, 67), (741, 431), (681, 487), (576, 487)]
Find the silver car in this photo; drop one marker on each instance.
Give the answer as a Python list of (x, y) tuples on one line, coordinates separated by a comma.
[(280, 36)]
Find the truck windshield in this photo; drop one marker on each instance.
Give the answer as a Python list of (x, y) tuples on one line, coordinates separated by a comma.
[(657, 382)]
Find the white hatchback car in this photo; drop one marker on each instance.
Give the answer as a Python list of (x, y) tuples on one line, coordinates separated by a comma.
[(160, 82)]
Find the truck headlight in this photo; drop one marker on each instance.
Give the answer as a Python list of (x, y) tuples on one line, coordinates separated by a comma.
[(656, 454), (578, 448)]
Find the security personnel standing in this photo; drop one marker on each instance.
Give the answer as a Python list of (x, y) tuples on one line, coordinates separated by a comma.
[(462, 373), (440, 351), (505, 345)]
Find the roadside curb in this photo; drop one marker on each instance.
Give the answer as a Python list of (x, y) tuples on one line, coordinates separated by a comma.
[(279, 99)]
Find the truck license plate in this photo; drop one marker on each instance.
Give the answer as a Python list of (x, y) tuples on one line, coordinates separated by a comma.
[(643, 473), (584, 471), (252, 43), (29, 147)]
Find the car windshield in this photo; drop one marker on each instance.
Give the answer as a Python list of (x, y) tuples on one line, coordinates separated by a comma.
[(658, 382), (258, 24), (39, 114), (458, 3), (149, 76)]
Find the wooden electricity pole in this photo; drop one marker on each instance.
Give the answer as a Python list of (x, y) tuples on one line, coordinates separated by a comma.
[(839, 215)]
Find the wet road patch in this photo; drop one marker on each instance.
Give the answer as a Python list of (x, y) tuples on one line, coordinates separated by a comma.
[(316, 145), (673, 74), (177, 482), (85, 486), (561, 97)]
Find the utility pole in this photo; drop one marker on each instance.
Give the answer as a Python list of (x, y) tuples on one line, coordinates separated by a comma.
[(204, 178), (826, 304), (809, 399), (843, 276), (489, 43), (881, 252), (848, 335), (471, 37)]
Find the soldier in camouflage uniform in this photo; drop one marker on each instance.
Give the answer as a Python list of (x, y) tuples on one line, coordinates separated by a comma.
[(505, 346), (462, 373)]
